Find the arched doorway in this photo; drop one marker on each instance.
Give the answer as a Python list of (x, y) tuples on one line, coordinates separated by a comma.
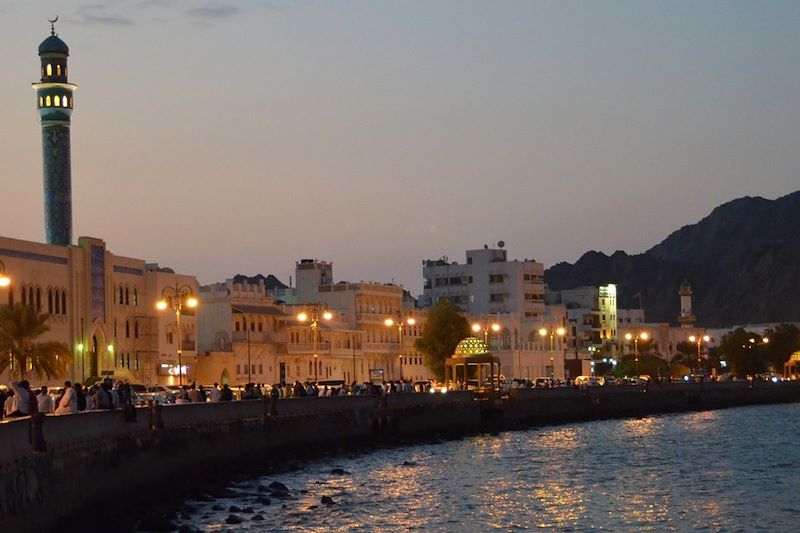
[(225, 378), (94, 369)]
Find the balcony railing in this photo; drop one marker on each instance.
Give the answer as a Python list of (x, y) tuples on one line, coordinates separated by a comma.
[(308, 347), (256, 336), (381, 347)]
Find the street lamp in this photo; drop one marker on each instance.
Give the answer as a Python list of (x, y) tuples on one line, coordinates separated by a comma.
[(5, 281), (315, 312), (488, 325), (699, 340), (175, 297), (83, 364), (401, 323), (544, 332), (641, 335)]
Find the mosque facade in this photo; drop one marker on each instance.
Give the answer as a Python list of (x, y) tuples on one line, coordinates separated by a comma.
[(100, 304)]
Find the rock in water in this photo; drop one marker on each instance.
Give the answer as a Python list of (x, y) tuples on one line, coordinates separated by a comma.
[(257, 518), (234, 509), (339, 472), (233, 519), (277, 486), (327, 500)]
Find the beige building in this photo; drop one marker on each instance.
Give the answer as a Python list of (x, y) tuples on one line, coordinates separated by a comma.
[(102, 306), (245, 336)]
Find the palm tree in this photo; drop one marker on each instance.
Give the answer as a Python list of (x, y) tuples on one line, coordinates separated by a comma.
[(20, 326)]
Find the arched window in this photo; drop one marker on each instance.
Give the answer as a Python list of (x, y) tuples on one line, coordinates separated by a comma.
[(135, 297), (121, 295), (310, 368), (47, 101), (38, 299), (64, 101), (58, 70), (57, 101), (41, 101), (127, 329), (50, 301), (63, 302), (49, 69), (136, 330), (127, 296)]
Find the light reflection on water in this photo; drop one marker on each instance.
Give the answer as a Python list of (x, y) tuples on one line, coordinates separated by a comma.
[(728, 470)]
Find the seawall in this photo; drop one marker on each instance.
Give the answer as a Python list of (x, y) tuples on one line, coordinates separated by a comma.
[(56, 466)]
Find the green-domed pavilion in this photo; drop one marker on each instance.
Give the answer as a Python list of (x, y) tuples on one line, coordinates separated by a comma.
[(479, 369)]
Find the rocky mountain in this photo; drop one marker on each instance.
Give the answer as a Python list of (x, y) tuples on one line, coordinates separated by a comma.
[(743, 261)]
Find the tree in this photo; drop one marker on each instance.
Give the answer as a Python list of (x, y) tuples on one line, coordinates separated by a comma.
[(20, 327), (444, 329), (784, 340), (743, 356)]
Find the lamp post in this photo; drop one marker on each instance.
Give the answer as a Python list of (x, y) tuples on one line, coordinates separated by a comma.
[(5, 281), (175, 297), (487, 325), (315, 312), (544, 332), (699, 341), (247, 332), (641, 335), (401, 322)]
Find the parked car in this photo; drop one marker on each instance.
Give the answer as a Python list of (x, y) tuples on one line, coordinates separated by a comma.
[(587, 381), (159, 394), (544, 382)]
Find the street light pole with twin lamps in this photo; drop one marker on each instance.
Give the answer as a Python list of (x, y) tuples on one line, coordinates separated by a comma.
[(175, 297), (315, 312), (401, 323), (699, 341), (560, 332), (487, 325), (642, 335)]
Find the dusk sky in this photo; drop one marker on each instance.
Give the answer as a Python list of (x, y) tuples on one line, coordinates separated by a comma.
[(238, 137)]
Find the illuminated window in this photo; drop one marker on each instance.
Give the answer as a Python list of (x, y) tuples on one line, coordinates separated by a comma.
[(49, 69), (41, 101), (57, 101), (64, 101), (58, 70), (47, 101)]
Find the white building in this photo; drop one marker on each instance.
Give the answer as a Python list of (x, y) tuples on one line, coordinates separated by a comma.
[(592, 314), (488, 283)]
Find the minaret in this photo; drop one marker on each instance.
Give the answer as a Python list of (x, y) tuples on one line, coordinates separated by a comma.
[(686, 318), (54, 96)]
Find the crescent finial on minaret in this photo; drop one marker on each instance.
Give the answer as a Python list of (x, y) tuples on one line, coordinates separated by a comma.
[(53, 25)]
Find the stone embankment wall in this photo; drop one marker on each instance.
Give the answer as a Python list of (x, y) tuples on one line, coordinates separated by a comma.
[(52, 467)]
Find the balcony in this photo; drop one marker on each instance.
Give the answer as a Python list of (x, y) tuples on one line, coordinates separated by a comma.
[(255, 336), (381, 347), (323, 347), (372, 318)]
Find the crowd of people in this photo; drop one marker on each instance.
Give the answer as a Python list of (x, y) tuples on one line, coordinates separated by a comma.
[(20, 399)]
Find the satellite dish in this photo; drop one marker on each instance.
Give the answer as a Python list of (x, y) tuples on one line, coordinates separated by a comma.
[(500, 244)]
